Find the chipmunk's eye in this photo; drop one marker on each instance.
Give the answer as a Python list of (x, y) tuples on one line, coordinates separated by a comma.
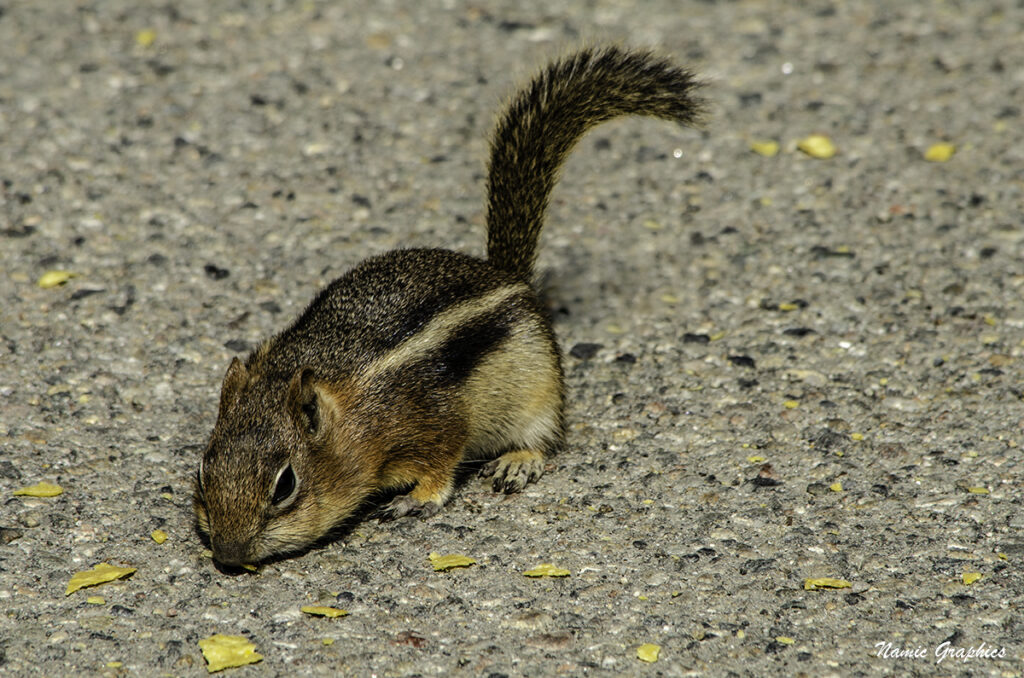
[(285, 486)]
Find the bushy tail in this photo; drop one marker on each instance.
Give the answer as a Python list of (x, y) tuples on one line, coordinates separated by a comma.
[(544, 121)]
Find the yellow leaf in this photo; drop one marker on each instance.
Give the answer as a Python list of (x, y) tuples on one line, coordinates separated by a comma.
[(328, 641), (159, 536), (54, 278), (99, 574), (817, 146), (445, 563), (547, 570), (39, 490), (857, 436), (223, 652), (791, 404), (836, 487), (114, 665), (978, 490), (322, 611), (787, 306), (785, 640), (971, 577), (250, 567), (96, 600), (814, 584), (145, 37), (765, 148), (648, 652), (756, 459), (939, 152)]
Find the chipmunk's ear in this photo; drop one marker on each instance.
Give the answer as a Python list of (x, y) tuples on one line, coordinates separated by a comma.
[(234, 380), (303, 402)]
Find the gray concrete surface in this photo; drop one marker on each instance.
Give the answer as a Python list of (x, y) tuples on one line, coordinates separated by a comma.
[(203, 186)]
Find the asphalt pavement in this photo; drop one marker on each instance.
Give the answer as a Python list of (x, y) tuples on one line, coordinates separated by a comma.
[(781, 368)]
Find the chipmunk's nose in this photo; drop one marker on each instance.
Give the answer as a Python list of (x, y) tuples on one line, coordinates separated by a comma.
[(230, 553)]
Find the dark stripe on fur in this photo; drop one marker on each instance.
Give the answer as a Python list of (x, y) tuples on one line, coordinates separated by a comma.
[(459, 355)]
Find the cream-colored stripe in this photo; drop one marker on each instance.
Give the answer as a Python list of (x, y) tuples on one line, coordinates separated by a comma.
[(437, 331)]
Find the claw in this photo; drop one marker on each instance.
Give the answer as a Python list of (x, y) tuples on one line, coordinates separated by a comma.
[(406, 505), (512, 471)]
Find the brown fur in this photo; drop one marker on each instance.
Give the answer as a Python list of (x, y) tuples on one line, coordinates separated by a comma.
[(417, 360)]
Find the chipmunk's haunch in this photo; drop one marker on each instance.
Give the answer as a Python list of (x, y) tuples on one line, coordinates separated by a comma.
[(417, 360)]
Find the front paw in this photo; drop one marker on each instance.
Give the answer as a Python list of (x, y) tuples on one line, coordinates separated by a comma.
[(406, 505)]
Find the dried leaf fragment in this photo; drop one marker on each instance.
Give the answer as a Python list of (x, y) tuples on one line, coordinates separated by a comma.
[(817, 146), (445, 563), (43, 489), (816, 583), (765, 148), (145, 37), (323, 611), (159, 536), (99, 574), (54, 279), (547, 570), (224, 652), (648, 652), (939, 152)]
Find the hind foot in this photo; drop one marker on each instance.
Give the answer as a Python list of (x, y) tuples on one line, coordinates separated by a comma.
[(513, 470)]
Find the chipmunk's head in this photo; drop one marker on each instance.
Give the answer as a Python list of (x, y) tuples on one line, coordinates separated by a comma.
[(279, 471)]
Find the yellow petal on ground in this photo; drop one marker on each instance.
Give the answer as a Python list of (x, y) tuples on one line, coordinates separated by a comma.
[(99, 574), (756, 459), (145, 37), (817, 146), (223, 652), (939, 152), (250, 567), (445, 563), (784, 640), (96, 600), (765, 148), (971, 577), (159, 536), (836, 487), (791, 404), (39, 490), (813, 584), (978, 490), (648, 652), (547, 570), (323, 611), (54, 278)]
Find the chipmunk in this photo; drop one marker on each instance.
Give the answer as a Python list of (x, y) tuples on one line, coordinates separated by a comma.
[(418, 360)]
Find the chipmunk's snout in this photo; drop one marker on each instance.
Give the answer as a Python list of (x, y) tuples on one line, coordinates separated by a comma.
[(230, 553)]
